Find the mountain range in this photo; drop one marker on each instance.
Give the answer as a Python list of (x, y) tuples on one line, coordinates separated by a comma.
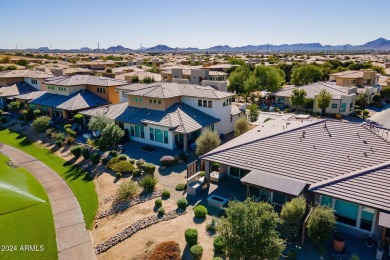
[(379, 44)]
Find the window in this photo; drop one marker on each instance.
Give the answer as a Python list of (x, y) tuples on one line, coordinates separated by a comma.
[(281, 100), (279, 198), (124, 94), (165, 136), (205, 103), (334, 106), (346, 212), (159, 135), (101, 90), (151, 134), (61, 88), (159, 102), (326, 201), (150, 101), (136, 99), (367, 218), (210, 127), (210, 103), (140, 100), (137, 131), (237, 172), (34, 81), (199, 102), (51, 87), (343, 107), (154, 101)]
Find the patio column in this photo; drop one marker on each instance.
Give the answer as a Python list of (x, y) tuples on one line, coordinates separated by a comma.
[(207, 170), (185, 142), (382, 242)]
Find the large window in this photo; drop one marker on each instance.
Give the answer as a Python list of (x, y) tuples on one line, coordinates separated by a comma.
[(205, 103), (367, 218), (326, 201), (280, 100), (237, 173), (101, 90), (159, 135), (343, 107), (346, 212), (137, 131)]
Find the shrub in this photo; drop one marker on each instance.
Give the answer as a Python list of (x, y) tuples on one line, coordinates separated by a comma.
[(122, 157), (105, 161), (148, 168), (59, 144), (183, 157), (182, 203), (126, 190), (161, 212), (202, 173), (148, 183), (132, 161), (41, 124), (95, 158), (166, 250), (72, 133), (78, 118), (166, 194), (60, 136), (140, 162), (167, 160), (176, 157), (219, 244), (215, 166), (321, 224), (67, 126), (292, 214), (113, 153), (287, 110), (180, 186), (118, 175), (136, 172), (355, 257), (191, 236), (200, 211), (85, 153), (70, 140), (365, 113), (158, 203), (76, 151), (212, 225), (122, 166), (196, 252)]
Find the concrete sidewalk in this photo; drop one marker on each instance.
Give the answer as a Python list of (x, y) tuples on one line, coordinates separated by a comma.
[(73, 239)]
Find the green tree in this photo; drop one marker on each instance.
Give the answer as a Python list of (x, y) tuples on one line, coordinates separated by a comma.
[(236, 61), (238, 78), (147, 80), (306, 74), (309, 103), (269, 78), (323, 100), (99, 122), (321, 224), (379, 69), (249, 231), (14, 106), (362, 100), (385, 93), (298, 97), (111, 134), (292, 214), (206, 142), (253, 112), (134, 79), (241, 126), (22, 62), (109, 70), (41, 124)]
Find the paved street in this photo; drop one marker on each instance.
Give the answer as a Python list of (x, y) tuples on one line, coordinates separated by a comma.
[(382, 118)]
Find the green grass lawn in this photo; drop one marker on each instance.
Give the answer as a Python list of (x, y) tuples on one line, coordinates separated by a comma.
[(25, 216), (78, 180)]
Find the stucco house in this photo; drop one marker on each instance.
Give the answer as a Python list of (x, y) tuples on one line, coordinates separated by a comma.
[(343, 98), (31, 77), (342, 165)]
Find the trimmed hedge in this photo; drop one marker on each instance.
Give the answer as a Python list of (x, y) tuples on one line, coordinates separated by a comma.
[(76, 151), (181, 187), (218, 244), (132, 161), (85, 153), (137, 172), (148, 168), (158, 203), (161, 211), (196, 252), (59, 144), (122, 157), (182, 203), (122, 166), (95, 158), (200, 211), (191, 236), (167, 160), (113, 153), (166, 194)]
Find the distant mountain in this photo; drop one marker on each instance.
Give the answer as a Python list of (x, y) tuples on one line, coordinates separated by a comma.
[(379, 43), (118, 48), (159, 48), (85, 49), (43, 49)]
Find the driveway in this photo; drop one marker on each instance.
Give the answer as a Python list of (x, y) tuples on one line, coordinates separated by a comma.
[(73, 239)]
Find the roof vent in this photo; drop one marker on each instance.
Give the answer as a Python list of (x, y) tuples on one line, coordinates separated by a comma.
[(349, 159), (364, 141)]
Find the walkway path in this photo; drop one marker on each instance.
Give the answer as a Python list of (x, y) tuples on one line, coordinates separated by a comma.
[(73, 239)]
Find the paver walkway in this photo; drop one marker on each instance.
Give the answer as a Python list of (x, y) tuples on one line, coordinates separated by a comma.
[(73, 239)]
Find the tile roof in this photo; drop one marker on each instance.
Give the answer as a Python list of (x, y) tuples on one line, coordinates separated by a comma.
[(77, 101), (16, 89), (180, 117), (141, 75), (174, 89), (111, 111), (369, 187), (84, 80), (31, 95), (274, 182), (235, 110), (313, 152), (314, 89), (25, 74)]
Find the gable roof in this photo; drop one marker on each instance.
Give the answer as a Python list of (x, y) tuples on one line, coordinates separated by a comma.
[(16, 89), (111, 111), (84, 80), (174, 89), (311, 153), (180, 117), (76, 101)]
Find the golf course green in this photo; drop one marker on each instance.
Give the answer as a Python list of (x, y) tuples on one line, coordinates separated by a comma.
[(26, 220)]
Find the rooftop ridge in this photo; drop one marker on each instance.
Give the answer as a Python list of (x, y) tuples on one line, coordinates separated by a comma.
[(264, 138), (350, 175)]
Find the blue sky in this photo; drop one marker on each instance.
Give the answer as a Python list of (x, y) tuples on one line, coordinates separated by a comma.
[(184, 23)]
